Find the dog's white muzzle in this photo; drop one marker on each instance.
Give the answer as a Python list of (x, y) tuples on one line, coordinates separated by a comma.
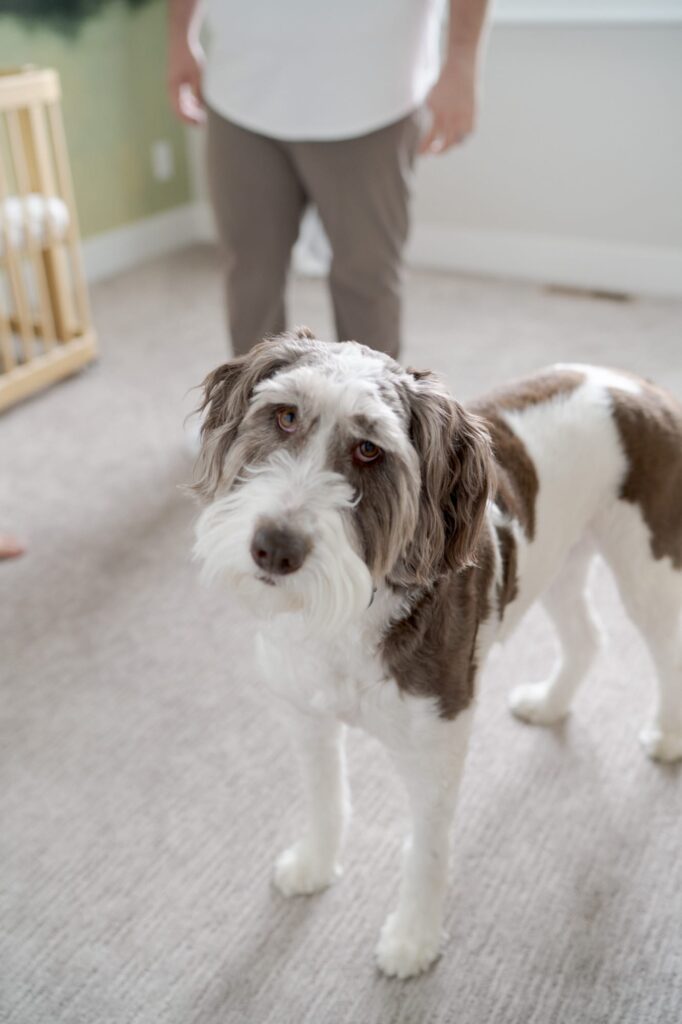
[(282, 538)]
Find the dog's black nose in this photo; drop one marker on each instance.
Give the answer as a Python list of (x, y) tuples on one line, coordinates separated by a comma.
[(278, 550)]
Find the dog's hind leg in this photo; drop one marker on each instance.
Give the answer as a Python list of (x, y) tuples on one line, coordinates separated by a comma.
[(651, 590), (567, 604), (662, 737)]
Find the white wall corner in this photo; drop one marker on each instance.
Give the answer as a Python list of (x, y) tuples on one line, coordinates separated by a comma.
[(546, 259)]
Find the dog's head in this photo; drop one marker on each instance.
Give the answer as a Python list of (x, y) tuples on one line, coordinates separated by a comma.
[(327, 468)]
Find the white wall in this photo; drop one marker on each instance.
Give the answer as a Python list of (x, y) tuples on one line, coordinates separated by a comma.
[(575, 172)]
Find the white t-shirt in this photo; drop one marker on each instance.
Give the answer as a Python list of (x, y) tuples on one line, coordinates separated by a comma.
[(319, 69)]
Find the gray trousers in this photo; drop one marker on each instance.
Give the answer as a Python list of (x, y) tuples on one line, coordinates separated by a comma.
[(361, 187)]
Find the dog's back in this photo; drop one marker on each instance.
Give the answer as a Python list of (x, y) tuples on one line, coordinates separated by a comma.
[(590, 458), (574, 442), (558, 456)]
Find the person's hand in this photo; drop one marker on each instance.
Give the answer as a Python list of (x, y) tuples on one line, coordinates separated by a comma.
[(10, 547), (184, 83), (452, 105)]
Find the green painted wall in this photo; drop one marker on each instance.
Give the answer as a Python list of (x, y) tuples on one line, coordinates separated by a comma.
[(113, 74)]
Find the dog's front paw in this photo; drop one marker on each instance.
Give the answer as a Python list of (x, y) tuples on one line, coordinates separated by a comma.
[(405, 950), (300, 872), (532, 703), (660, 745)]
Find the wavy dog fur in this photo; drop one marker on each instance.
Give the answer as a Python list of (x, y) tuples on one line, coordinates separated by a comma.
[(457, 477), (424, 531), (226, 394)]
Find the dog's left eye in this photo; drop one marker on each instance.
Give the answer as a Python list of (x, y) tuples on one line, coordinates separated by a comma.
[(287, 419), (366, 452)]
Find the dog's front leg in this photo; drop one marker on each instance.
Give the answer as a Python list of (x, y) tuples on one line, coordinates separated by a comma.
[(430, 764), (311, 863)]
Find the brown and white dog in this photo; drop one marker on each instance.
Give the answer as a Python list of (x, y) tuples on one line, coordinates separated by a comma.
[(384, 536)]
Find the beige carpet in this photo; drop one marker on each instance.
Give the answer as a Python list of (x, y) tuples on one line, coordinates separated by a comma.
[(144, 797)]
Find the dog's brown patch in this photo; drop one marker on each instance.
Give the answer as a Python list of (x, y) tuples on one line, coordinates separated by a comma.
[(508, 584), (387, 510), (456, 470), (517, 479), (432, 652), (650, 428), (542, 387), (227, 392)]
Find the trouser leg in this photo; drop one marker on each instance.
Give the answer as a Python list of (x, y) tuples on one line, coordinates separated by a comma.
[(362, 188), (258, 200)]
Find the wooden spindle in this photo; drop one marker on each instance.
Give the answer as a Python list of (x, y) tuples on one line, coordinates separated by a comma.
[(65, 184)]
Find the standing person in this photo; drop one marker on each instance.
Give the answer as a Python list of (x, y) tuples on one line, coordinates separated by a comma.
[(323, 103)]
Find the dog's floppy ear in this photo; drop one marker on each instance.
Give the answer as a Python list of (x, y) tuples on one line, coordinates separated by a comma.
[(226, 394), (456, 478)]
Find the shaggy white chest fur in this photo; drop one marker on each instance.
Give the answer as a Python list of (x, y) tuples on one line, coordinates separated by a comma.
[(341, 676)]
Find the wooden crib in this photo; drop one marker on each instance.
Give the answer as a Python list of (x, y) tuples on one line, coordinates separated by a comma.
[(45, 327)]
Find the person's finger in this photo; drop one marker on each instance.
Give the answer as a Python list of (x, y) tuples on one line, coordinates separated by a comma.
[(455, 130), (190, 103), (432, 135), (10, 546), (186, 103), (453, 137), (437, 144), (174, 97)]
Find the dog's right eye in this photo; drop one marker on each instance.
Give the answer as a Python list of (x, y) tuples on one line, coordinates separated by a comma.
[(287, 419)]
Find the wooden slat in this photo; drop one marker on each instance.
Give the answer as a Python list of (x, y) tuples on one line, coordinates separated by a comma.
[(60, 362), (46, 329), (13, 257), (17, 152), (7, 356), (41, 179), (23, 87), (6, 339), (20, 296), (36, 145), (37, 150), (65, 185), (4, 187), (37, 326)]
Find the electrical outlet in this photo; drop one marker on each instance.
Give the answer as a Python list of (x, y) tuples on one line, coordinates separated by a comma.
[(163, 160)]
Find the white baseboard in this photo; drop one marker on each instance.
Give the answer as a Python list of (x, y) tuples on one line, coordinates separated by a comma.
[(206, 229), (596, 13), (547, 259), (125, 247)]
